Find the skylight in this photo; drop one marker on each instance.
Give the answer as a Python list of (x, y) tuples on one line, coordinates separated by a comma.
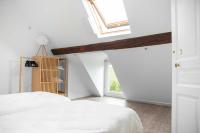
[(107, 17)]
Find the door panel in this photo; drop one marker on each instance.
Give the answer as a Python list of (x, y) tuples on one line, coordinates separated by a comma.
[(187, 107), (186, 58), (188, 77), (187, 21)]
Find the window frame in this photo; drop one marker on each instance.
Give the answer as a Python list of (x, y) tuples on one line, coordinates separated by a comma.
[(107, 25), (99, 25)]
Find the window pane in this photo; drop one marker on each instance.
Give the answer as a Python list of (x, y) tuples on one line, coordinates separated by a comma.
[(112, 10), (114, 85)]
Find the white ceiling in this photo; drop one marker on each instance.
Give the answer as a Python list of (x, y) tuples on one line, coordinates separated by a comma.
[(65, 21)]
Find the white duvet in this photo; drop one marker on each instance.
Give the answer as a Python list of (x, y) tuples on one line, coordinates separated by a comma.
[(40, 112)]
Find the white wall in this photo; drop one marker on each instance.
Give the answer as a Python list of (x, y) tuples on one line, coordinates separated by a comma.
[(144, 75), (79, 82), (15, 40), (94, 64)]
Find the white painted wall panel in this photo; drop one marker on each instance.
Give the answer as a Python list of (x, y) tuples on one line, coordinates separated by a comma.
[(144, 75), (15, 40), (79, 82), (94, 64)]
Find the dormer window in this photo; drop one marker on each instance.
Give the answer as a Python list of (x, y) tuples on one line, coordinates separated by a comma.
[(107, 17)]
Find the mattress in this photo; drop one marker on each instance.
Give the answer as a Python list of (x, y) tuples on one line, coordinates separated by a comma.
[(41, 112)]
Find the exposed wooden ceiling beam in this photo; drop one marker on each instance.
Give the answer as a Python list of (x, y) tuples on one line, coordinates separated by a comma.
[(156, 39)]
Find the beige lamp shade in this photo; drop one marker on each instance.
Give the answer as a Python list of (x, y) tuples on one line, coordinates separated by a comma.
[(42, 40)]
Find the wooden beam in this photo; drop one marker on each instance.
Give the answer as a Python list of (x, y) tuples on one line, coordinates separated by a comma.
[(156, 39)]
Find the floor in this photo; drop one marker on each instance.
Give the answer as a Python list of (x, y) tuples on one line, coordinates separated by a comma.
[(155, 118)]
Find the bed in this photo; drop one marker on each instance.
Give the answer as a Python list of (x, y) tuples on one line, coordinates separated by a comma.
[(42, 112)]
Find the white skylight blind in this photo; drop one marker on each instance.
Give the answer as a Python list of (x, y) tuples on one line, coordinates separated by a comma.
[(107, 17)]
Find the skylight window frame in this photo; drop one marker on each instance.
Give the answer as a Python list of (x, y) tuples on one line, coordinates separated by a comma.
[(107, 25), (99, 25)]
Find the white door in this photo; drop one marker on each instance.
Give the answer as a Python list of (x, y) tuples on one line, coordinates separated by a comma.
[(186, 66)]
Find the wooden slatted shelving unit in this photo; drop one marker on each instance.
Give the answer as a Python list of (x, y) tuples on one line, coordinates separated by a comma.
[(47, 77)]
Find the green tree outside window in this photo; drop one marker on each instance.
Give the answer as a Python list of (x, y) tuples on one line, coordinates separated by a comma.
[(114, 85)]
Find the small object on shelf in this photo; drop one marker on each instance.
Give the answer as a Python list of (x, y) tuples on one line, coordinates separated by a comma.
[(61, 68), (59, 80)]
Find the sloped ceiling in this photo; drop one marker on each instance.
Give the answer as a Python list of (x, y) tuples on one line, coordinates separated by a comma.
[(94, 64), (79, 81), (65, 22)]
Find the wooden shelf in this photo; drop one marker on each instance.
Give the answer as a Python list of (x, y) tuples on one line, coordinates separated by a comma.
[(49, 70), (47, 76), (53, 82)]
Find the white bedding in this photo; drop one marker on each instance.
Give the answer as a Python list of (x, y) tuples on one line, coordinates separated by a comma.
[(40, 112)]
